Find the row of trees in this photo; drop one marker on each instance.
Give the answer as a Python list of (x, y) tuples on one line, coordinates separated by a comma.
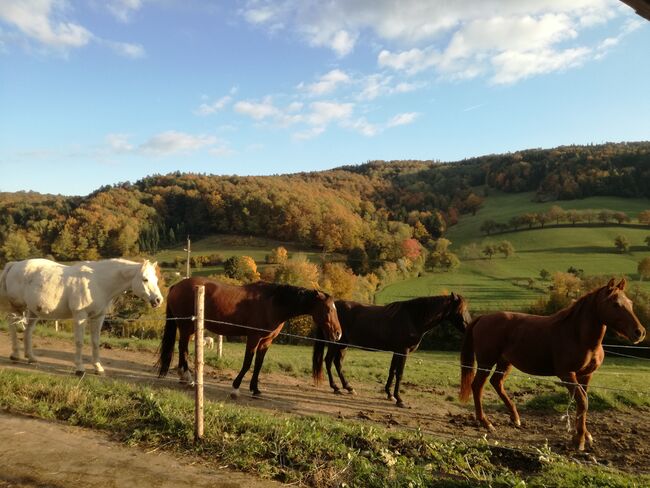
[(557, 215)]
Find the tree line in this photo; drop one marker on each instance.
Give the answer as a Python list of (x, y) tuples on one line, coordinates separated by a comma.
[(373, 207)]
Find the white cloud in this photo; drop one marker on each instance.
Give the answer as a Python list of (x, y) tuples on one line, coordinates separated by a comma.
[(402, 119), (327, 83), (35, 18), (308, 133), (45, 21), (455, 40), (211, 108), (257, 110), (119, 143), (171, 142), (322, 113), (511, 66), (126, 49), (361, 126), (122, 9)]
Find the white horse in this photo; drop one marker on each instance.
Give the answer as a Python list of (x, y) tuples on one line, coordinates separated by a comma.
[(43, 289)]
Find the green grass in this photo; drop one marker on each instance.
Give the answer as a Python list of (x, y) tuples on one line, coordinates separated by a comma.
[(311, 450), (233, 245), (500, 283)]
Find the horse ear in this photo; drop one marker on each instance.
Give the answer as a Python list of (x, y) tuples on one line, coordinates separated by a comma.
[(621, 285), (610, 285), (454, 297)]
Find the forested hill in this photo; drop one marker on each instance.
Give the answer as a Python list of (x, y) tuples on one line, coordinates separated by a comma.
[(372, 205)]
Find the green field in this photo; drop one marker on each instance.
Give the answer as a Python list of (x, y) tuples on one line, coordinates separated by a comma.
[(500, 283), (232, 245)]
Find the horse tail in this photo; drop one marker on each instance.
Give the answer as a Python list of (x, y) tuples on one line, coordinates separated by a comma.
[(467, 370), (168, 341), (317, 357), (3, 284)]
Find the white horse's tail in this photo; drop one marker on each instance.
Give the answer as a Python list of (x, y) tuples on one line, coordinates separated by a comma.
[(4, 302)]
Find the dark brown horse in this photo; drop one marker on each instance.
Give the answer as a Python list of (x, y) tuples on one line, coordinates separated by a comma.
[(264, 307), (566, 344), (397, 327)]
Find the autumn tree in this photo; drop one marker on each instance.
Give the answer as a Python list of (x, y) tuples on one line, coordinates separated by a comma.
[(644, 268), (506, 248), (279, 255), (622, 244), (489, 250), (241, 268), (15, 247), (644, 217), (298, 271), (556, 213)]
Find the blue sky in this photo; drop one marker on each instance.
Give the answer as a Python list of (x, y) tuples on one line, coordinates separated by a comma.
[(98, 92)]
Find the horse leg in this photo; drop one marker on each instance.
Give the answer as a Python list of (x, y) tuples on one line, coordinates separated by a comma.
[(338, 362), (184, 373), (584, 381), (95, 330), (497, 380), (578, 393), (251, 347), (15, 345), (79, 328), (399, 370), (32, 320), (391, 375), (482, 373), (332, 351), (259, 359)]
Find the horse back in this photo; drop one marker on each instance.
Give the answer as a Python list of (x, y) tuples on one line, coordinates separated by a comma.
[(370, 326), (529, 342)]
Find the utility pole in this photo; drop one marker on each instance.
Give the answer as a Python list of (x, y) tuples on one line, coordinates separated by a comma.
[(187, 264)]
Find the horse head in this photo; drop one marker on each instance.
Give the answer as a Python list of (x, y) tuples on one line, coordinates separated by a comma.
[(325, 316), (458, 312), (615, 311), (145, 284)]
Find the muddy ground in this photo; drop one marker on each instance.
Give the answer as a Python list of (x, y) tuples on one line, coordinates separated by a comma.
[(622, 438)]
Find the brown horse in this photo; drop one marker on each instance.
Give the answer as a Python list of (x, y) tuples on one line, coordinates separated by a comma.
[(566, 344), (397, 327), (263, 307)]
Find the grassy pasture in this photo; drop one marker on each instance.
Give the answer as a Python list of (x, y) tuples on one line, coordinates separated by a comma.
[(500, 283), (233, 245)]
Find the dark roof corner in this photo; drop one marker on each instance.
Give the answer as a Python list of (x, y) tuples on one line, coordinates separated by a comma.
[(641, 7)]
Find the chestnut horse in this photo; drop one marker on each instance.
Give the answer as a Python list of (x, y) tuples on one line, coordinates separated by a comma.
[(566, 344), (397, 327), (264, 307)]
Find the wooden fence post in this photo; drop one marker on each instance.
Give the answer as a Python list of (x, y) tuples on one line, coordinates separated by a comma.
[(198, 358), (219, 346)]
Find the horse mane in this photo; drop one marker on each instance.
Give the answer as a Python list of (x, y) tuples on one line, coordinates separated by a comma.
[(418, 308), (293, 296)]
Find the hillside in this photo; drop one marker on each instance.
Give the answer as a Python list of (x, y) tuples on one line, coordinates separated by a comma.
[(500, 283)]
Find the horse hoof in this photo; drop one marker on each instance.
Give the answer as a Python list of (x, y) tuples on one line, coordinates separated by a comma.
[(14, 358), (32, 360), (391, 398), (80, 374), (351, 391), (516, 424), (257, 394), (401, 404), (338, 392), (234, 394)]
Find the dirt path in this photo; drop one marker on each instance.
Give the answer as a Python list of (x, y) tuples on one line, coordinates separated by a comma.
[(47, 454), (622, 438)]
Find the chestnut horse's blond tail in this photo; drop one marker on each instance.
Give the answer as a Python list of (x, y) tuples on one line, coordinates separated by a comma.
[(467, 370)]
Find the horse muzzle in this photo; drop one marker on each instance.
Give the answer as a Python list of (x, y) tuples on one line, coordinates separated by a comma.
[(640, 335), (156, 302)]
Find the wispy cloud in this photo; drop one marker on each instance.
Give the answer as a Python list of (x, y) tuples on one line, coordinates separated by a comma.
[(216, 106), (46, 23), (502, 41), (123, 9)]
